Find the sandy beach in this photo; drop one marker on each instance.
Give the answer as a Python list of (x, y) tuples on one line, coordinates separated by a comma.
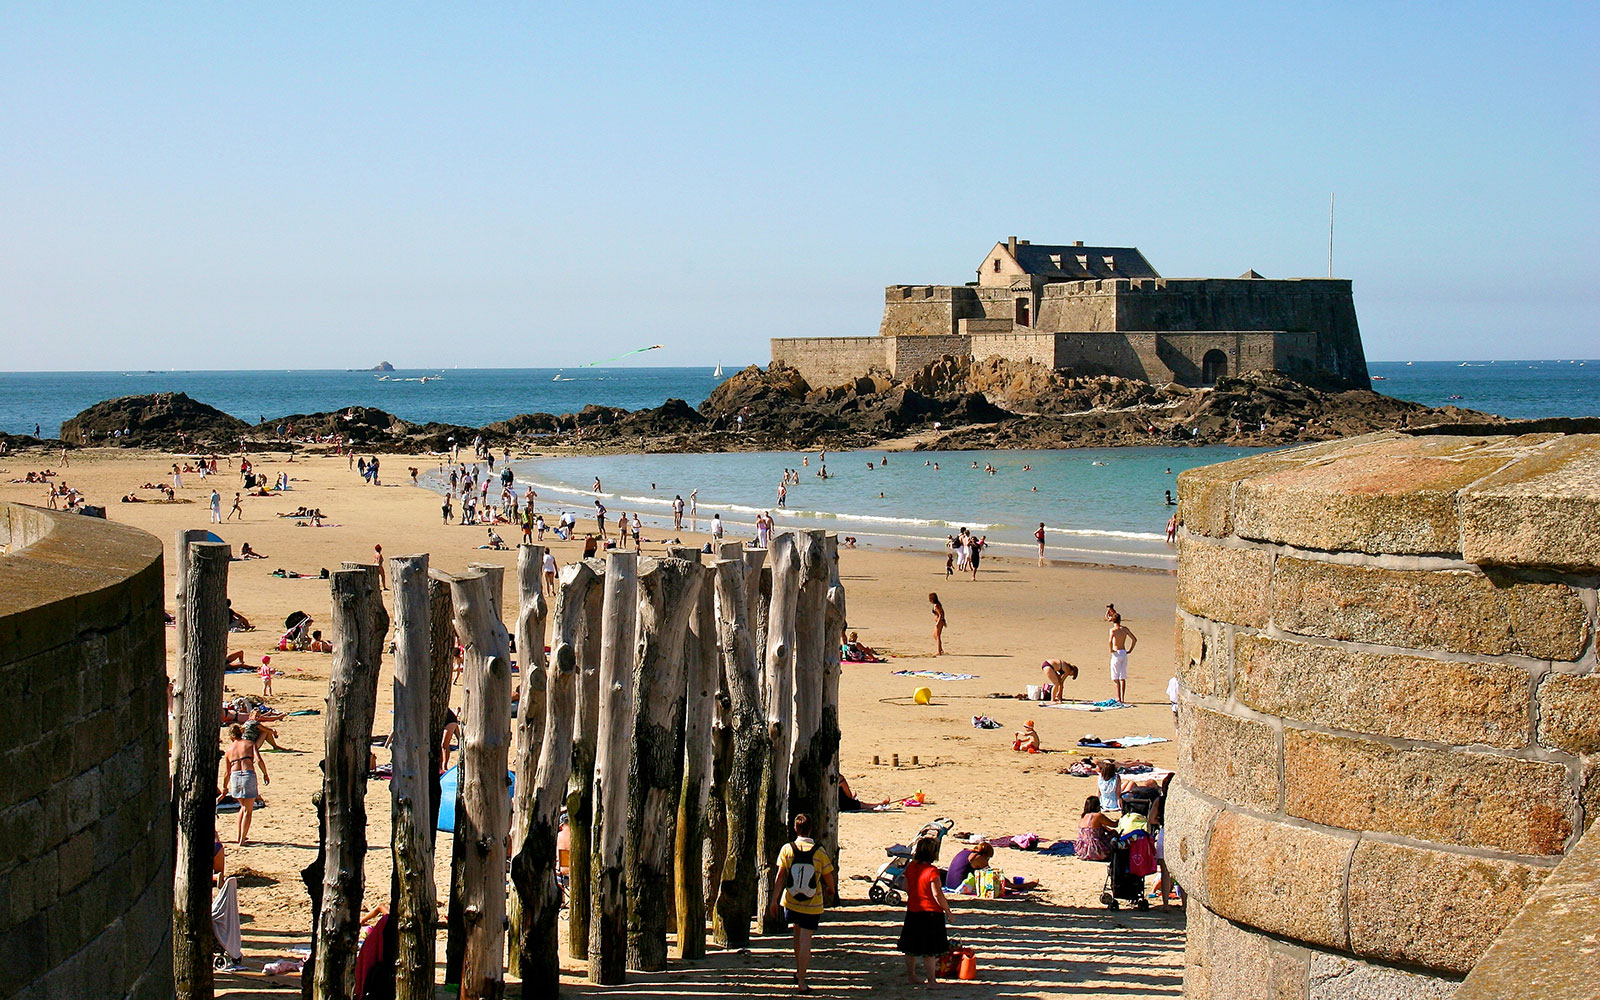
[(1058, 940)]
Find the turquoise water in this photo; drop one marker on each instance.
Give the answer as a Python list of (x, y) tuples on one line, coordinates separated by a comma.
[(1104, 505), (474, 397)]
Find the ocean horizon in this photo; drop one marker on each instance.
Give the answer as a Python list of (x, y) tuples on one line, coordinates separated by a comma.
[(476, 396)]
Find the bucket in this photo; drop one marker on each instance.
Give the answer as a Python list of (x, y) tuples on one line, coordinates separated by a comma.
[(1035, 692), (969, 965), (923, 696)]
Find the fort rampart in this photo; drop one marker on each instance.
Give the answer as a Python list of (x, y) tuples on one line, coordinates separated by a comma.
[(85, 828), (1389, 728)]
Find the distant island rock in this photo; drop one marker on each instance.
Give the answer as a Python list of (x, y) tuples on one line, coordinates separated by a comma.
[(382, 366)]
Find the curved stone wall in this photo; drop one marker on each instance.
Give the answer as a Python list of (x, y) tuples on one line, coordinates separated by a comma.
[(1389, 728), (85, 827)]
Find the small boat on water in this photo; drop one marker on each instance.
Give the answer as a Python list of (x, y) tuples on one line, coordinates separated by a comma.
[(1380, 378), (718, 372)]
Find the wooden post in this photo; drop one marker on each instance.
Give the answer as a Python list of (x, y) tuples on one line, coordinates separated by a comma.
[(828, 735), (442, 657), (413, 909), (758, 598), (580, 784), (533, 869), (810, 756), (668, 589), (736, 901), (716, 821), (359, 625), (483, 819), (608, 915), (202, 650), (530, 719), (704, 674), (779, 686)]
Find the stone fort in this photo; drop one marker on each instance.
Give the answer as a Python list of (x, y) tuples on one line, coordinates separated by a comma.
[(1100, 311)]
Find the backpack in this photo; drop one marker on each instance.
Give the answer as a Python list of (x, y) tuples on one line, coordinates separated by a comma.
[(802, 874)]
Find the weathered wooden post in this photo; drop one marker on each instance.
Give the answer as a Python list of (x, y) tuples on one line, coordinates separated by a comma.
[(483, 819), (608, 914), (779, 686), (811, 755), (704, 677), (580, 784), (829, 733), (668, 589), (534, 867), (413, 909), (202, 650), (359, 625), (530, 720), (736, 901)]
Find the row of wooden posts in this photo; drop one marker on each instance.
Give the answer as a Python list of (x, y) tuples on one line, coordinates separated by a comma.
[(683, 714)]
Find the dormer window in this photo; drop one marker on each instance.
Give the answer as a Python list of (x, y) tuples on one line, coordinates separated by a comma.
[(1055, 261), (1111, 263), (1083, 261)]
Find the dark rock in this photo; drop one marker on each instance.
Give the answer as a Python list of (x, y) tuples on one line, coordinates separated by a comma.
[(159, 420)]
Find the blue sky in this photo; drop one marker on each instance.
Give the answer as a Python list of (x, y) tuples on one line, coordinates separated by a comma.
[(241, 186)]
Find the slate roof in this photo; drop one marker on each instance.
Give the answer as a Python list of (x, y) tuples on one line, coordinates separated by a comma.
[(1074, 263)]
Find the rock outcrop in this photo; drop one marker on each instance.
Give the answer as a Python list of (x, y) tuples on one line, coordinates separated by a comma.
[(157, 420)]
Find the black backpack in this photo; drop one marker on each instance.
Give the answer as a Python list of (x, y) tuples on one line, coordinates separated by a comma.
[(803, 873)]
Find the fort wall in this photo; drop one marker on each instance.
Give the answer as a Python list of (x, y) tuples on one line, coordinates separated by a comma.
[(908, 355), (85, 821), (832, 360), (1389, 722)]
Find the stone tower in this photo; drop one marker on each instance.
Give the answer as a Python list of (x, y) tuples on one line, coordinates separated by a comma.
[(1389, 729)]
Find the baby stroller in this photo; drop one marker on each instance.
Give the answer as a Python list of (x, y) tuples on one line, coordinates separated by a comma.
[(890, 881), (297, 632), (1133, 856)]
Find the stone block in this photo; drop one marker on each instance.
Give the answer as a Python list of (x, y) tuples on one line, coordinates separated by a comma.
[(1224, 961), (1335, 977), (1569, 713), (1188, 825), (1206, 494), (1461, 611), (1447, 797), (1205, 662), (1541, 510), (75, 862), (1289, 975), (1415, 906), (83, 800), (1236, 760), (1224, 583), (1411, 697), (1393, 495), (1283, 879)]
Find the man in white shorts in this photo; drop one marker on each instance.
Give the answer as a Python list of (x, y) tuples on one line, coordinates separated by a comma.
[(1122, 641)]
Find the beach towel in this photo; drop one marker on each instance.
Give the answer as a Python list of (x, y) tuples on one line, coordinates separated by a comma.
[(225, 919), (307, 711), (1090, 706), (1122, 742), (449, 783), (1059, 849), (984, 722), (938, 675)]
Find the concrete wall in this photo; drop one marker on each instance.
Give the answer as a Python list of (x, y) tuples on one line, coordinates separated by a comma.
[(826, 361), (1389, 724), (85, 825)]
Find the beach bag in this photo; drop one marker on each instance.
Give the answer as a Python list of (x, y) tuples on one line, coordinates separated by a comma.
[(802, 874), (1142, 856)]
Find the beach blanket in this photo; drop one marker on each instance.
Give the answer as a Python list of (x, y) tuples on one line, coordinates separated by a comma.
[(306, 711), (1090, 706), (1123, 742), (938, 675)]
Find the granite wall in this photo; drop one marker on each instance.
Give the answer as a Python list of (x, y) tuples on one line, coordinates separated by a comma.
[(85, 825), (1389, 728)]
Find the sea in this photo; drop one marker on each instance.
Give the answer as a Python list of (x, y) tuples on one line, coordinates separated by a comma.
[(1099, 505)]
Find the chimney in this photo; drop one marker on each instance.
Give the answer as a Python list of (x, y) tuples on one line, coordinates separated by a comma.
[(1077, 243), (1011, 245)]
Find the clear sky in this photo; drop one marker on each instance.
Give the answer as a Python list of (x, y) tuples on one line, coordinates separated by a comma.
[(299, 185)]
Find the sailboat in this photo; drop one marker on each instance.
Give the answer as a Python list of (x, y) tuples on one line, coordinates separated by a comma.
[(718, 372)]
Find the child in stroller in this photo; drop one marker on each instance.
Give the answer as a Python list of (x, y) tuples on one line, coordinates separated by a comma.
[(297, 632), (890, 881), (1133, 854)]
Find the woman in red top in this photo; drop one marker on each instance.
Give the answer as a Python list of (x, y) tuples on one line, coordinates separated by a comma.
[(926, 909)]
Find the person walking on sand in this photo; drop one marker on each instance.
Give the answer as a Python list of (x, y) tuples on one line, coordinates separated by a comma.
[(1038, 536), (805, 873), (383, 571), (923, 935), (716, 527), (938, 624), (238, 508), (243, 760), (216, 507), (1121, 642), (549, 570)]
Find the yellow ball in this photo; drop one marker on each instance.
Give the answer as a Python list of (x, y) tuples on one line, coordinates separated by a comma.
[(923, 696)]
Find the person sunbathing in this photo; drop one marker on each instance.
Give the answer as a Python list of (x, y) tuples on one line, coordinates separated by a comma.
[(319, 644), (235, 659), (132, 498), (848, 801), (238, 622), (246, 552), (1027, 740), (855, 651)]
